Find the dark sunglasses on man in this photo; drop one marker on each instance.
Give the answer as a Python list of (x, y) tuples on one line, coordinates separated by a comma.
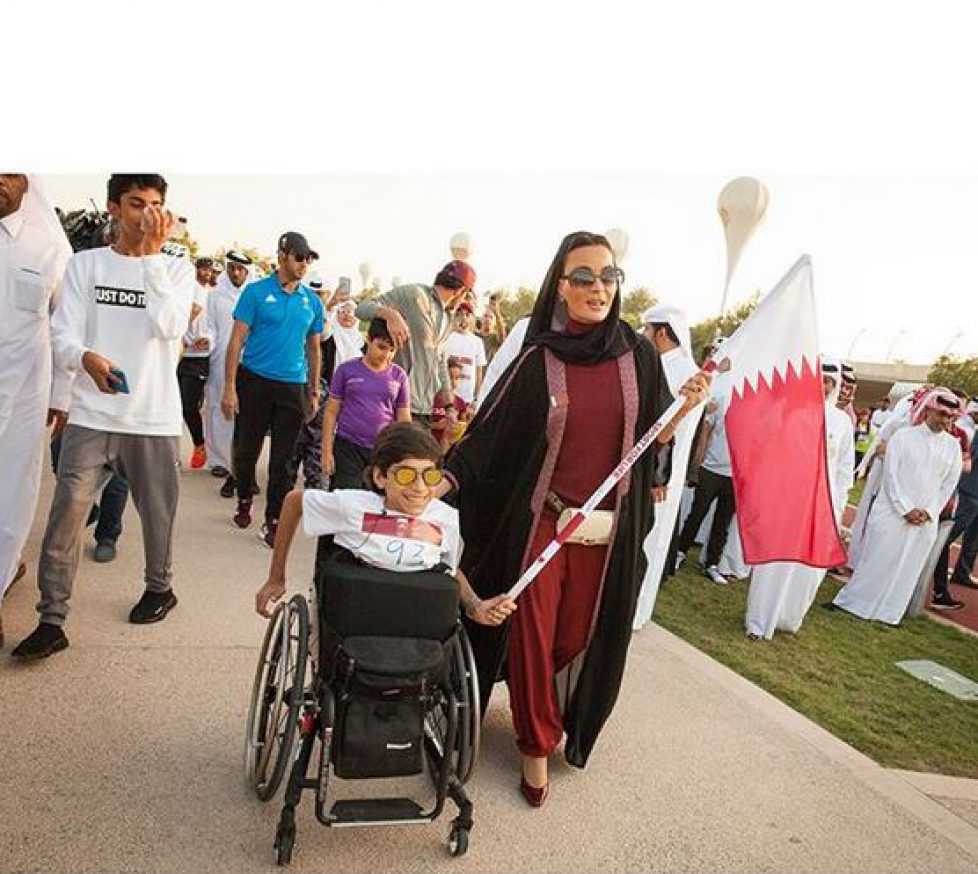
[(585, 277)]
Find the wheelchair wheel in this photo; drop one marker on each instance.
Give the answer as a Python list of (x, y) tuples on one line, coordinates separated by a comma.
[(471, 726), (464, 683), (277, 697)]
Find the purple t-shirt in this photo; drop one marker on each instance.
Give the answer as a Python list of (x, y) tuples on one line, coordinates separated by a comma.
[(370, 399)]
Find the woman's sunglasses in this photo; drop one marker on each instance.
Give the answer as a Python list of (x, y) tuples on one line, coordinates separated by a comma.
[(405, 476), (584, 277)]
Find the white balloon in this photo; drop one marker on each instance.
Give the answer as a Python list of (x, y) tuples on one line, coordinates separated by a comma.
[(366, 271), (741, 206), (618, 237), (461, 246)]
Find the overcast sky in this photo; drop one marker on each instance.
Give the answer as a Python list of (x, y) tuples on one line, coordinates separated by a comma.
[(893, 257)]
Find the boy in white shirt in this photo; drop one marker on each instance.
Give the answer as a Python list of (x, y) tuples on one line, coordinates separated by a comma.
[(400, 527), (122, 313), (467, 346)]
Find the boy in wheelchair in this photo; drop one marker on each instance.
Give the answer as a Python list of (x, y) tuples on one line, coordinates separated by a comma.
[(400, 526), (394, 683)]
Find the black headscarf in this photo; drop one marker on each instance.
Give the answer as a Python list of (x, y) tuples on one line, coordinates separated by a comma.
[(612, 338)]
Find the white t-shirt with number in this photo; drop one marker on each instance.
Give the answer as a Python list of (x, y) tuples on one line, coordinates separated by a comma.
[(383, 538)]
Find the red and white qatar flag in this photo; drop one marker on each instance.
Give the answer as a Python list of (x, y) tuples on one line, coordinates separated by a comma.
[(776, 429)]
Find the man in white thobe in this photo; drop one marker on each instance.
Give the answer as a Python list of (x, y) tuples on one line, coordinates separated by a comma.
[(780, 592), (33, 254), (923, 463), (898, 419), (667, 328), (219, 431)]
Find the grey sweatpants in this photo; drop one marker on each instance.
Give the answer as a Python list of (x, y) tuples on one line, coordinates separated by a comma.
[(88, 459)]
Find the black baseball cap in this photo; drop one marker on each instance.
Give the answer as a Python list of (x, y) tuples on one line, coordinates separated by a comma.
[(294, 243)]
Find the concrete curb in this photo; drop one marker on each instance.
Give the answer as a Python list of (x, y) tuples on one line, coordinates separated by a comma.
[(938, 784), (905, 792)]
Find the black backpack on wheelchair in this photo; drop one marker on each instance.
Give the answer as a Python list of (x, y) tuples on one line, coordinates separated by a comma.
[(380, 673)]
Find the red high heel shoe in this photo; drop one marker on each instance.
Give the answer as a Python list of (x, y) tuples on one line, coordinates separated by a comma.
[(534, 796)]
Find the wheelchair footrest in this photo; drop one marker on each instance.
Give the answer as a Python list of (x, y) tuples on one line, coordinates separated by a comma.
[(377, 811)]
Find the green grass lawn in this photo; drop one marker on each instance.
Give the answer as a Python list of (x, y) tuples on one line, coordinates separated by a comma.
[(839, 671), (856, 492)]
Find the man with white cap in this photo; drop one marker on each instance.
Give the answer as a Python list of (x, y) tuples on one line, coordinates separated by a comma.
[(33, 254), (923, 463), (667, 329), (220, 319), (781, 592)]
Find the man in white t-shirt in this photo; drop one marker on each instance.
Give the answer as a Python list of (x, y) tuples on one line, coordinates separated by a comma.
[(122, 313), (880, 414), (467, 346), (194, 364), (714, 482)]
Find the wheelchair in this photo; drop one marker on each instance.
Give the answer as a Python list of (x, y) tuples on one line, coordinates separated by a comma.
[(383, 678)]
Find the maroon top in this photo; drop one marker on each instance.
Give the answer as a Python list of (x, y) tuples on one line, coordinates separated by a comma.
[(594, 430)]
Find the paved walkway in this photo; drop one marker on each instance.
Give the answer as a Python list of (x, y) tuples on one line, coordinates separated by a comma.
[(124, 753)]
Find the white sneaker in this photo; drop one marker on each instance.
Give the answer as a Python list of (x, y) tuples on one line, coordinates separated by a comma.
[(713, 572), (680, 558)]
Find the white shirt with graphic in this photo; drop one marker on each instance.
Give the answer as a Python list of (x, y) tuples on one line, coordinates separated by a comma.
[(471, 352), (383, 538)]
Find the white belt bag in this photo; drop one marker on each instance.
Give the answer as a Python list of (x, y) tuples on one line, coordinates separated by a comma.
[(593, 531)]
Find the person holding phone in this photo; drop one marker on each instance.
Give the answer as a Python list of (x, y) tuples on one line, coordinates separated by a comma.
[(123, 311)]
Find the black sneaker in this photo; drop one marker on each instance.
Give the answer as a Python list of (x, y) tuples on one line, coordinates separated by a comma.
[(43, 641), (967, 583), (227, 490), (946, 602), (152, 607), (104, 552), (243, 517), (220, 472)]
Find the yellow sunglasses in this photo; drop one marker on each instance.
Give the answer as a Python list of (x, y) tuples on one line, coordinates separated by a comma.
[(405, 476)]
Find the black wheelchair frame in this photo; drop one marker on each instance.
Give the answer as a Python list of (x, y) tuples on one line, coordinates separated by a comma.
[(294, 694)]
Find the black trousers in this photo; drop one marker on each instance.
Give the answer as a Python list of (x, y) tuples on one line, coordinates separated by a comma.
[(709, 487), (266, 404), (192, 376), (351, 461), (966, 523), (309, 446)]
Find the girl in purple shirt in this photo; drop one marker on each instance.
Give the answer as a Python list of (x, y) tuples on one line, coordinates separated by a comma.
[(365, 395)]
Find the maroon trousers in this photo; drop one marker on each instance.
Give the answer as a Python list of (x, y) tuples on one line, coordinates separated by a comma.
[(547, 631)]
